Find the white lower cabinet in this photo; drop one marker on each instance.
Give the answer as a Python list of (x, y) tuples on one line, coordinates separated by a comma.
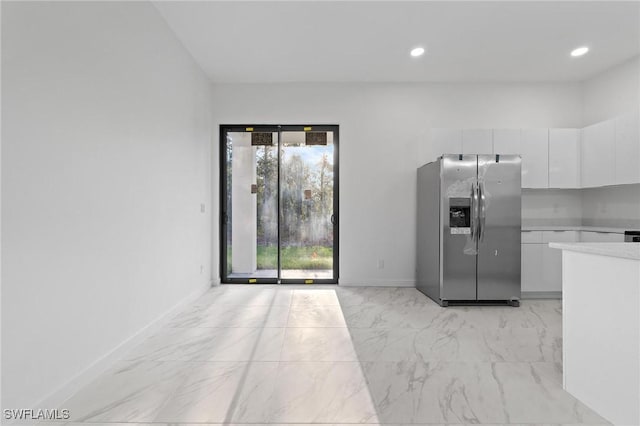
[(560, 237), (552, 269), (541, 265), (601, 237), (552, 258), (531, 264)]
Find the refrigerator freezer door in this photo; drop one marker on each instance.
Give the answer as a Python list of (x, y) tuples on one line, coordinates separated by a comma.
[(458, 177), (499, 233)]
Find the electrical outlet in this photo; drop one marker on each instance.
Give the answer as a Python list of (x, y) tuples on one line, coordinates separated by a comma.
[(380, 264), (202, 208)]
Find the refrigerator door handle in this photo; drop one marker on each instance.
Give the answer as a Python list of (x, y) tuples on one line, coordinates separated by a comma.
[(483, 211), (474, 212)]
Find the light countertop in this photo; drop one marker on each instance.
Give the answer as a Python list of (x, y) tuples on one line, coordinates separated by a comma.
[(576, 228), (621, 250)]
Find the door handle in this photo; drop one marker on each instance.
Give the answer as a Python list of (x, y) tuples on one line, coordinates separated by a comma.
[(483, 212), (333, 219), (474, 210)]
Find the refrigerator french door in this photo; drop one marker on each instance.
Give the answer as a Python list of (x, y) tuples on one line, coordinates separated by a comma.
[(469, 229)]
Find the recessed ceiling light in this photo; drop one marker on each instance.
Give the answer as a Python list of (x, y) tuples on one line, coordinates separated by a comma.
[(418, 51), (579, 51)]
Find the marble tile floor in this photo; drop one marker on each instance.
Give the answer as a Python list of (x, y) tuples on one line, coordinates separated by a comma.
[(339, 355)]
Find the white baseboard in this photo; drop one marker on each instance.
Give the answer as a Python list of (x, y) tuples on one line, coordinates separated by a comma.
[(376, 282), (68, 389), (541, 295)]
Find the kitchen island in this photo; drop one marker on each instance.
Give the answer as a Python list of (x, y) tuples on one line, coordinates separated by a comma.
[(601, 327)]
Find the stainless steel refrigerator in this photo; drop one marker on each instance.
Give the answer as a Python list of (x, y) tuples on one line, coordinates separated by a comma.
[(469, 229)]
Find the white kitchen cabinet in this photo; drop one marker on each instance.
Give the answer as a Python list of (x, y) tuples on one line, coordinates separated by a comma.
[(605, 153), (541, 266), (598, 155), (552, 258), (531, 237), (444, 141), (477, 141), (564, 158), (601, 237), (627, 155), (535, 158), (507, 141), (560, 236), (552, 269), (531, 277)]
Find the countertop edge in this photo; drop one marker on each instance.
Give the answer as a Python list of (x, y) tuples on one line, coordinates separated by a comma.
[(528, 228), (620, 250)]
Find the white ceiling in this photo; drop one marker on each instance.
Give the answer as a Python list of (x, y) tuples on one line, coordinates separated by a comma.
[(359, 41)]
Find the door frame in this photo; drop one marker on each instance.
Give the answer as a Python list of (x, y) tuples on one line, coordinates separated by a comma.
[(223, 217)]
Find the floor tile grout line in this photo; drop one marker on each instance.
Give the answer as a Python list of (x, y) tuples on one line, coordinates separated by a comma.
[(165, 401), (234, 401), (284, 338)]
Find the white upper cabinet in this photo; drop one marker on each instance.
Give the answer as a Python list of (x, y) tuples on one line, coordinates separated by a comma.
[(627, 155), (477, 141), (507, 141), (598, 154), (564, 158), (444, 141), (535, 158), (605, 153)]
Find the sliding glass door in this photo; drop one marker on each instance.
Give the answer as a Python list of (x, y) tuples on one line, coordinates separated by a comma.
[(279, 204)]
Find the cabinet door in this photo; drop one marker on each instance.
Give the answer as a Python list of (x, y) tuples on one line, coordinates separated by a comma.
[(601, 237), (444, 141), (598, 155), (560, 237), (531, 267), (535, 158), (477, 141), (531, 237), (564, 158), (551, 268), (507, 141), (627, 158)]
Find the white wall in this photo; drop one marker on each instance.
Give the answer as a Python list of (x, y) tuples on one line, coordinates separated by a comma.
[(384, 129), (105, 162), (612, 93), (552, 207)]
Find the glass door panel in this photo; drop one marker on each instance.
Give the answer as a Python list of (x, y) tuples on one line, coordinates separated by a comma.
[(307, 205), (250, 206), (279, 204)]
